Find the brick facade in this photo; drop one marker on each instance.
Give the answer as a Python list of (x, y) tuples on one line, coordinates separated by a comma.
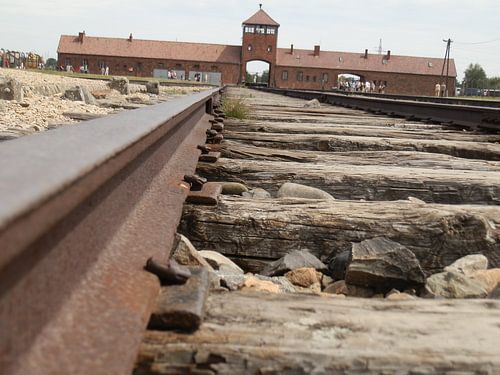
[(288, 68)]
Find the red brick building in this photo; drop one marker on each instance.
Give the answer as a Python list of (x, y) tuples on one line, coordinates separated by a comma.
[(222, 64)]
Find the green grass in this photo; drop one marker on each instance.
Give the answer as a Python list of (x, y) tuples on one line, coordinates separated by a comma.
[(235, 108), (99, 76)]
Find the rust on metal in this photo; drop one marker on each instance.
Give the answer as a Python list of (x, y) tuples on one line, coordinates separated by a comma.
[(208, 195), (182, 307), (83, 207), (170, 274)]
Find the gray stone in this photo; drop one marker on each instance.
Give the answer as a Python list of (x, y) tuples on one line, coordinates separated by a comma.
[(216, 260), (312, 104), (233, 188), (187, 255), (88, 98), (80, 94), (294, 260), (153, 87), (120, 84), (230, 278), (452, 284), (338, 265), (257, 193), (469, 264), (292, 190), (11, 89), (382, 265)]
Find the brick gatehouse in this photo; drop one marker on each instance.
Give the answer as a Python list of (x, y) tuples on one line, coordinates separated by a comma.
[(223, 64)]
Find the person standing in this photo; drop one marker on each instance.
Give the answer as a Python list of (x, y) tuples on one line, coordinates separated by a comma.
[(443, 89), (437, 89), (106, 71)]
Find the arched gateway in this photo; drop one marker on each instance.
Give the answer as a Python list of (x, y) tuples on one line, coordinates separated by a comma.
[(260, 42)]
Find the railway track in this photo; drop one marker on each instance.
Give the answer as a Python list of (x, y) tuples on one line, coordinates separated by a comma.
[(453, 112), (82, 209), (78, 223)]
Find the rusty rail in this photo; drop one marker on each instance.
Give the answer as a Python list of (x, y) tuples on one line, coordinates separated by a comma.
[(466, 116), (82, 208)]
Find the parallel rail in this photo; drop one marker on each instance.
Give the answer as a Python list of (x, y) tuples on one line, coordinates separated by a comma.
[(82, 209), (466, 116), (428, 99)]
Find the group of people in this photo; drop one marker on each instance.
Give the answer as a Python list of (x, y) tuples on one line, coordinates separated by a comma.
[(20, 60), (440, 89), (105, 70), (171, 74), (362, 86)]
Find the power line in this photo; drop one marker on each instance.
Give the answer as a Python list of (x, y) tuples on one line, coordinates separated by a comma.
[(485, 42)]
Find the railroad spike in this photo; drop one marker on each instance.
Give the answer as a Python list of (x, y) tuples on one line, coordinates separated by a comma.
[(171, 274), (204, 149), (211, 133), (195, 181)]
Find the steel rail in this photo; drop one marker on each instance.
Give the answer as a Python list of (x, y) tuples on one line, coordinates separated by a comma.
[(471, 117), (82, 208), (430, 99)]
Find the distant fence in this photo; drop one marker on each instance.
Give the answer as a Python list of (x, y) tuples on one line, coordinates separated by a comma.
[(20, 60)]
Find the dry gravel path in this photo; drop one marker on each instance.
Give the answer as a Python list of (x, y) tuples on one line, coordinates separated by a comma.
[(44, 106)]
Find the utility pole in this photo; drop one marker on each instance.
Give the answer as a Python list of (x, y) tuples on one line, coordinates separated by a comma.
[(446, 62)]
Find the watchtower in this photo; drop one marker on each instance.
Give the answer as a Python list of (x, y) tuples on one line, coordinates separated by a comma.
[(260, 42)]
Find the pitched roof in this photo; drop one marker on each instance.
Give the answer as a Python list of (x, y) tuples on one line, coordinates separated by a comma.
[(261, 18), (356, 62), (150, 49)]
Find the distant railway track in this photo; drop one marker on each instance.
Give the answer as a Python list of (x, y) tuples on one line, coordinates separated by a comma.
[(475, 115), (82, 209)]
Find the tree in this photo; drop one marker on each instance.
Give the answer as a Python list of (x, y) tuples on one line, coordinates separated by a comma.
[(51, 63), (265, 76), (494, 83), (475, 76)]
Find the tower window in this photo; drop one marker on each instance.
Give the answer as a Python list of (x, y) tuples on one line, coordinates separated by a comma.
[(284, 75), (300, 76), (249, 29), (260, 30), (269, 48), (249, 47), (271, 30)]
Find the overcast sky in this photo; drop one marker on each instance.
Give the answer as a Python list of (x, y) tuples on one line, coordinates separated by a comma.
[(407, 27)]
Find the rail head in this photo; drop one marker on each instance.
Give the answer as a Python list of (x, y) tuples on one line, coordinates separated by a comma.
[(82, 208)]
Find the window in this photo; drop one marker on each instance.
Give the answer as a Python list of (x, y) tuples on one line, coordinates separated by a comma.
[(260, 30), (67, 62), (85, 62), (249, 29), (325, 77), (307, 78), (300, 76), (139, 65), (269, 48), (249, 47), (101, 64), (271, 31), (314, 78), (284, 75)]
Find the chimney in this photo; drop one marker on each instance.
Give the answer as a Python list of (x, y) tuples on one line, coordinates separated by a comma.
[(366, 53), (291, 49), (316, 50), (81, 36), (389, 55), (130, 37)]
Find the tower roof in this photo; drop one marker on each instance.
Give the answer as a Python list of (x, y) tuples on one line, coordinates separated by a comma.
[(261, 18)]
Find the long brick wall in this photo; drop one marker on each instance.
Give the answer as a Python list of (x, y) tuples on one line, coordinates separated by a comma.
[(312, 78), (144, 67), (315, 79)]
